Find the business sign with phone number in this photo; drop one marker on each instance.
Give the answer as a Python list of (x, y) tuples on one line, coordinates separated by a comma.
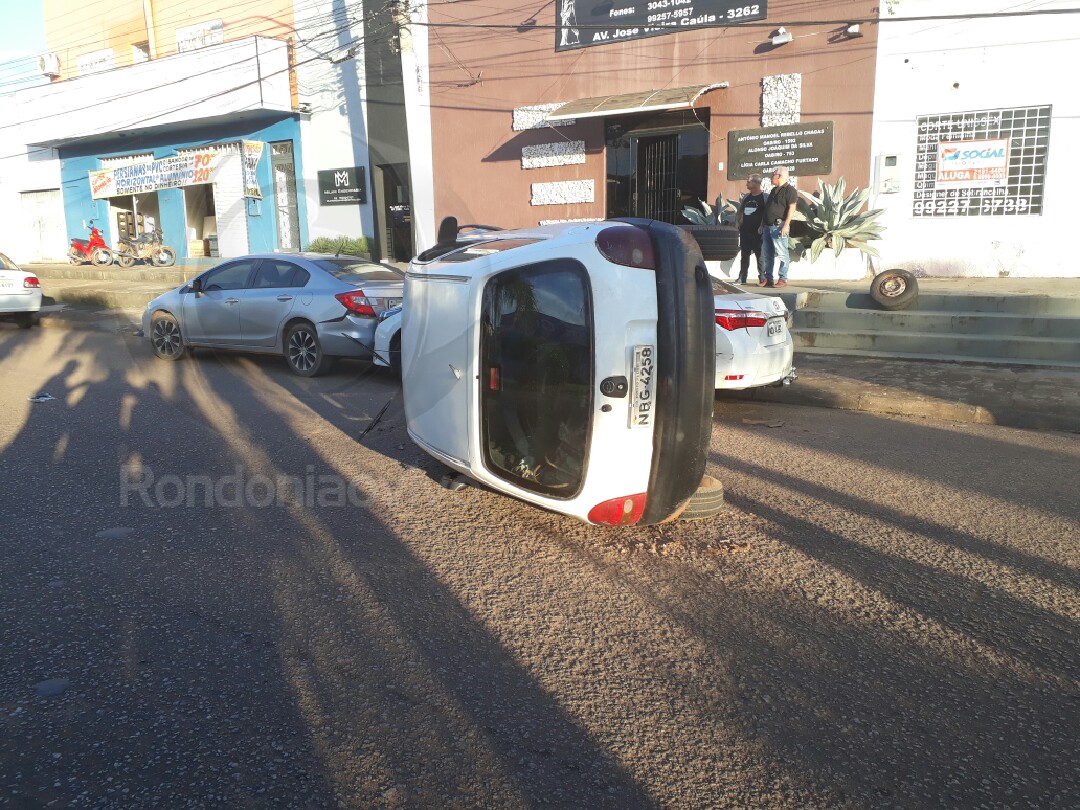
[(982, 163), (624, 20)]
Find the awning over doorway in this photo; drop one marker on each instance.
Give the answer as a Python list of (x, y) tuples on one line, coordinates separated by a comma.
[(672, 98)]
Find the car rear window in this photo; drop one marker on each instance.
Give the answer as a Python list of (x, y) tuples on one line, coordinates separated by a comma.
[(723, 288), (7, 264), (472, 250), (355, 272)]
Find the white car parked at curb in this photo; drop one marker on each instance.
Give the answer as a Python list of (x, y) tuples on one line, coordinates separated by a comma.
[(20, 294)]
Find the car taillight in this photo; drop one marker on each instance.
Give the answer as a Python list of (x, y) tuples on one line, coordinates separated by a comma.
[(627, 245), (31, 282), (625, 511), (730, 319), (356, 302)]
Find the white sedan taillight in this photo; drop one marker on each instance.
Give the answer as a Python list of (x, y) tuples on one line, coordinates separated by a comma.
[(31, 283), (731, 319)]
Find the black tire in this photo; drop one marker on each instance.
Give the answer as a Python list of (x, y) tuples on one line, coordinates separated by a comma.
[(303, 351), (164, 256), (707, 502), (25, 320), (125, 260), (894, 289), (165, 337), (395, 353), (101, 257)]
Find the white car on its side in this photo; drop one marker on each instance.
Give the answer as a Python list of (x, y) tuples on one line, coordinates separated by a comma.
[(20, 294), (753, 338)]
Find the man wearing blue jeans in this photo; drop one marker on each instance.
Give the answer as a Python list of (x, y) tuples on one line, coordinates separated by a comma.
[(775, 227)]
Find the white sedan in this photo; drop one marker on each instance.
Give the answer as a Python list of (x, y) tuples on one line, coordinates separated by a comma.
[(753, 338), (20, 294)]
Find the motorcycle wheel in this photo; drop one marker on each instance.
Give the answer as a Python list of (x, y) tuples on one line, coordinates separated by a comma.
[(125, 260), (102, 257), (74, 259), (164, 256)]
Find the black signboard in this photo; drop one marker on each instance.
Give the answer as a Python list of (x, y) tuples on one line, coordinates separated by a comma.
[(982, 163), (600, 23), (343, 186), (805, 149)]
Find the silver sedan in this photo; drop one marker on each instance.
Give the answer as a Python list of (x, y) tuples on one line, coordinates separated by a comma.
[(308, 307)]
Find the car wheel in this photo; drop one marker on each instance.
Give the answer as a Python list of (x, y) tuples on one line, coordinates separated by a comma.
[(164, 257), (102, 257), (25, 320), (303, 351), (706, 502), (395, 353), (894, 289), (165, 337)]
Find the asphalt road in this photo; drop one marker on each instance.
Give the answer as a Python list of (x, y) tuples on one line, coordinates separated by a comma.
[(224, 586)]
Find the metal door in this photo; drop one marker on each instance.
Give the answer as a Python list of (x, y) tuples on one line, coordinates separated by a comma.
[(657, 193), (288, 215), (43, 213)]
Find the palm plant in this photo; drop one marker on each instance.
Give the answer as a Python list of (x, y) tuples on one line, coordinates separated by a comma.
[(834, 221), (723, 214)]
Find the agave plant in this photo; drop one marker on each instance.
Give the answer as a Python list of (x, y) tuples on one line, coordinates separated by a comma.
[(723, 214), (833, 221)]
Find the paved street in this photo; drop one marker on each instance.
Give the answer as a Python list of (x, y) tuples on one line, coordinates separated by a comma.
[(225, 586)]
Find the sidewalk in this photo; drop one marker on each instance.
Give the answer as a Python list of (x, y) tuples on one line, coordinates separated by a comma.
[(1015, 396)]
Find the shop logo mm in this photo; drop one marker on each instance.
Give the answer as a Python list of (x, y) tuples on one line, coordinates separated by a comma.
[(341, 179)]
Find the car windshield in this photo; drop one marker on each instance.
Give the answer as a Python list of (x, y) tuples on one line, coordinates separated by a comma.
[(356, 271)]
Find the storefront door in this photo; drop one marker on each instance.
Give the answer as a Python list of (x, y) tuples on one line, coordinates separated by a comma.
[(43, 213), (288, 213)]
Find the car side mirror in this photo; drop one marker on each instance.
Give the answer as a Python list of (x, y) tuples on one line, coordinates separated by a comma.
[(196, 286)]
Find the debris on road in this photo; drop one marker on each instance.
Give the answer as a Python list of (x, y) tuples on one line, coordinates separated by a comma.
[(773, 423), (43, 396)]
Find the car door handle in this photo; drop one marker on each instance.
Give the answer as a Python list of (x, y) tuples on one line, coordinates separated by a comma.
[(232, 300), (284, 298)]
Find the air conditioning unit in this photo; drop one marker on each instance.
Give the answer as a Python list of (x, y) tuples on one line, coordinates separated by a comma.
[(49, 65)]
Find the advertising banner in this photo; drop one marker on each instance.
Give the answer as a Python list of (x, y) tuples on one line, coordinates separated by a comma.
[(623, 20), (982, 163), (253, 151), (806, 149), (346, 186), (172, 172)]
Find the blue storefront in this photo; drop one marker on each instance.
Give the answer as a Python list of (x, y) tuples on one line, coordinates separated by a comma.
[(244, 201)]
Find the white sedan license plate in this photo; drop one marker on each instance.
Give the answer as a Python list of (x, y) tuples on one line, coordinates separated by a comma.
[(642, 387), (774, 327), (6, 283)]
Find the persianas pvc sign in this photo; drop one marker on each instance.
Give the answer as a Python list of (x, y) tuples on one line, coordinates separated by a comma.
[(623, 20), (973, 163), (188, 169)]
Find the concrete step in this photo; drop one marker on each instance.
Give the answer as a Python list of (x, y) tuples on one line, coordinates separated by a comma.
[(1048, 305), (976, 348), (171, 276), (942, 323), (92, 293)]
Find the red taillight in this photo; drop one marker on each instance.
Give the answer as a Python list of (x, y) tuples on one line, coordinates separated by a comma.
[(31, 282), (627, 245), (730, 319), (625, 511), (356, 302)]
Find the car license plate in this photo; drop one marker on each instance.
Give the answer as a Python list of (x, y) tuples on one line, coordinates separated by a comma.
[(7, 283), (642, 387), (391, 303), (774, 327)]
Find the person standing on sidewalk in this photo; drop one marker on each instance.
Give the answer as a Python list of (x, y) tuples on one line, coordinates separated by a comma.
[(749, 219), (774, 230)]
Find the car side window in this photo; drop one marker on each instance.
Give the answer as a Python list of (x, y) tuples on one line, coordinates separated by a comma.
[(274, 274), (232, 276), (300, 278)]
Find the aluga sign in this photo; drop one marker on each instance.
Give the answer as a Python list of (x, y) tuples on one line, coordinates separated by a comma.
[(570, 366)]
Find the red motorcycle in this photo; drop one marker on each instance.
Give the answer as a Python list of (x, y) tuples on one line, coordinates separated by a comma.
[(95, 251)]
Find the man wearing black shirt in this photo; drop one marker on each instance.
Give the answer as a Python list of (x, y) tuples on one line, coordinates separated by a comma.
[(749, 218), (779, 208)]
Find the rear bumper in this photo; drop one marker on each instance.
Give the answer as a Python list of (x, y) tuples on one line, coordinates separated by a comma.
[(349, 337), (13, 304), (765, 365)]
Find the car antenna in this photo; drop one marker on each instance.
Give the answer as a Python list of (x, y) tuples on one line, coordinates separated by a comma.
[(340, 247)]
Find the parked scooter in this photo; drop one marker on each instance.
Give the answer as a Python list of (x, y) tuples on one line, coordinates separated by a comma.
[(95, 251), (148, 248)]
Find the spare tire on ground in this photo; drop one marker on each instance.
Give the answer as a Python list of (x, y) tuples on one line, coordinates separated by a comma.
[(717, 242), (894, 289)]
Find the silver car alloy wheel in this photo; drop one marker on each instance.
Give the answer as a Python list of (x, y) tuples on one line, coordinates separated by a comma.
[(303, 350), (166, 337)]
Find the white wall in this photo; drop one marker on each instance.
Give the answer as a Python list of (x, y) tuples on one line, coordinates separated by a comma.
[(334, 135), (25, 169), (931, 67)]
